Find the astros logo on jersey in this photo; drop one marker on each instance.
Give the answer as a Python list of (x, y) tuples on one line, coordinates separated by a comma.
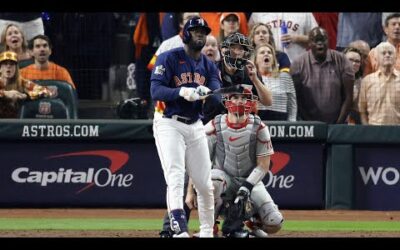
[(189, 78)]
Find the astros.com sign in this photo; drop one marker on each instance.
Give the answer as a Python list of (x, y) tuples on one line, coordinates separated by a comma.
[(102, 177)]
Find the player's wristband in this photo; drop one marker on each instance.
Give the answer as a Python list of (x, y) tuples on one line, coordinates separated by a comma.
[(256, 176), (248, 185)]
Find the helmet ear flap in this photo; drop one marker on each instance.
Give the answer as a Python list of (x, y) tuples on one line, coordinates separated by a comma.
[(186, 37)]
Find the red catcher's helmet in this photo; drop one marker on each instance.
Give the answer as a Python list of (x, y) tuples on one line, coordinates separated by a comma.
[(241, 107)]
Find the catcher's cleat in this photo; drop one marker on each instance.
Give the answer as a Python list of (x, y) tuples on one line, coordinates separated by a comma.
[(165, 234), (255, 231), (238, 234)]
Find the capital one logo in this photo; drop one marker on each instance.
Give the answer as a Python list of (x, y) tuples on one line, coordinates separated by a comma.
[(279, 162), (100, 177), (387, 175)]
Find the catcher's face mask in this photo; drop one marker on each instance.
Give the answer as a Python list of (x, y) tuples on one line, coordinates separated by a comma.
[(241, 104), (236, 50)]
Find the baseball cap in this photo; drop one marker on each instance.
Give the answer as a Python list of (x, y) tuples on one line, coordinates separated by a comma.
[(8, 55), (226, 14)]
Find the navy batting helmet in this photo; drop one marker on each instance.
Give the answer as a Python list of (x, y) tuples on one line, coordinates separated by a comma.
[(191, 24)]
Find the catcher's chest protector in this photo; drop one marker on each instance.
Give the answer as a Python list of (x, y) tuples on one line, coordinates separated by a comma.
[(236, 148)]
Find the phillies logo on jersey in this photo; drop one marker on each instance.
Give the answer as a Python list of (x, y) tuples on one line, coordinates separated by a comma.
[(188, 77)]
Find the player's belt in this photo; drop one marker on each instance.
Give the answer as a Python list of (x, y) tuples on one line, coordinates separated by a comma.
[(182, 119)]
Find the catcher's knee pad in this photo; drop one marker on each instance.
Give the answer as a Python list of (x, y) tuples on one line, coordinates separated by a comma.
[(219, 182), (218, 179), (271, 218), (217, 174)]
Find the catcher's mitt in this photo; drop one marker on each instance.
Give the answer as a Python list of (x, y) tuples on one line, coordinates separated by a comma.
[(236, 214)]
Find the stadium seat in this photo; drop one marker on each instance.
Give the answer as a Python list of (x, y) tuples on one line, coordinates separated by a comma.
[(66, 93), (45, 108)]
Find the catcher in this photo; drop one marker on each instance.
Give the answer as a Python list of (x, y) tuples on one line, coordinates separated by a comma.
[(240, 148)]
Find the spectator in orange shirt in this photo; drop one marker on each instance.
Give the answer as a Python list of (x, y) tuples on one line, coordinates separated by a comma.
[(43, 69), (229, 24), (214, 22)]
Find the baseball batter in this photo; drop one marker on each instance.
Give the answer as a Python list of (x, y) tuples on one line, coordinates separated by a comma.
[(180, 78), (240, 148), (171, 43)]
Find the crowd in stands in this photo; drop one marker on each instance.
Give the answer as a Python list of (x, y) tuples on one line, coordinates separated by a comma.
[(23, 63), (338, 68), (315, 65)]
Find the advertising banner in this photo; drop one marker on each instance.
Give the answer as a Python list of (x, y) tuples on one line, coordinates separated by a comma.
[(115, 164), (296, 179), (129, 174), (80, 174), (377, 178)]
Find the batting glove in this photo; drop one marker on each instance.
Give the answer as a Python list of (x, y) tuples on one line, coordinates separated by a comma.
[(190, 94), (203, 90)]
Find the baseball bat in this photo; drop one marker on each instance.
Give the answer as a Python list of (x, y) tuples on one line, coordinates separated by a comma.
[(226, 90)]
